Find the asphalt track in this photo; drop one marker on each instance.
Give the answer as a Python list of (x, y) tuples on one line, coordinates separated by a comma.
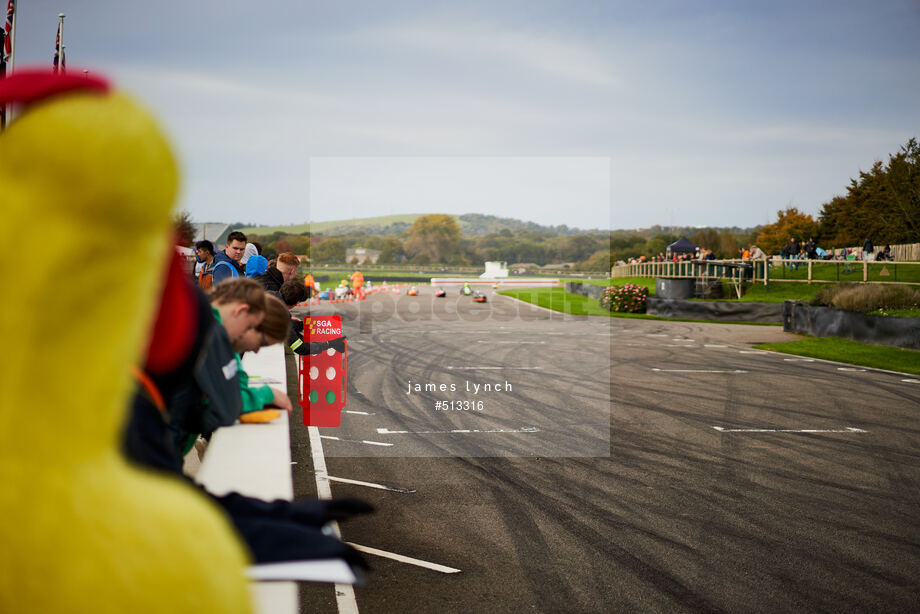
[(635, 465)]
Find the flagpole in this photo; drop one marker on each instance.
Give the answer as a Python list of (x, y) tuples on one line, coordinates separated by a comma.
[(57, 64), (6, 111), (60, 64)]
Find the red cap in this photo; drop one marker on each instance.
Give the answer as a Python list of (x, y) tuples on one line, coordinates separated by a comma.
[(33, 84)]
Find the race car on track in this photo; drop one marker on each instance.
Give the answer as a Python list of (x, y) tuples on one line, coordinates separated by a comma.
[(479, 297), (440, 293), (413, 291), (324, 295)]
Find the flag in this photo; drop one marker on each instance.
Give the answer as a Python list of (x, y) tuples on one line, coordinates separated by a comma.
[(58, 52), (6, 51), (8, 31)]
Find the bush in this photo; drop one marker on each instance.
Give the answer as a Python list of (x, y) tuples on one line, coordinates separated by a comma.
[(867, 298), (629, 298)]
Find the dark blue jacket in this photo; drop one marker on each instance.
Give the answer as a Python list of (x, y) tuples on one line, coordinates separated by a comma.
[(225, 268)]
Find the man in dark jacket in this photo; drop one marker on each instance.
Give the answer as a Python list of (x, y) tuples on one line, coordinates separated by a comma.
[(282, 271), (227, 261)]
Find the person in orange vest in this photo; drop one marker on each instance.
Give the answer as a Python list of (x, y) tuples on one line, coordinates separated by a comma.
[(310, 284), (357, 283)]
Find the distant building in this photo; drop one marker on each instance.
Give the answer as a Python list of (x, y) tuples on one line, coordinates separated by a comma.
[(557, 266), (362, 254), (215, 232), (523, 267), (495, 270)]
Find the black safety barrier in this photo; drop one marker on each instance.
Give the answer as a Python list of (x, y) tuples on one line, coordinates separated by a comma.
[(726, 311), (802, 318), (576, 287)]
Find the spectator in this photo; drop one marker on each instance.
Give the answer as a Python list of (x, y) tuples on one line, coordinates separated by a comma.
[(884, 254), (284, 269), (811, 249), (868, 248), (248, 252), (204, 252), (256, 265), (228, 259), (757, 253), (292, 292), (274, 328)]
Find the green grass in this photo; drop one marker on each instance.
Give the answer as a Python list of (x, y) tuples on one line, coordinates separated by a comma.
[(851, 352), (756, 293), (850, 271), (558, 299), (779, 292), (897, 313)]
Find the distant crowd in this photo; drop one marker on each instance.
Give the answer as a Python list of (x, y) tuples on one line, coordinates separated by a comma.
[(793, 250)]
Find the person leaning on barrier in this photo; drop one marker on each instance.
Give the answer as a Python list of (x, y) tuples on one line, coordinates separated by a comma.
[(283, 270), (231, 297), (273, 530)]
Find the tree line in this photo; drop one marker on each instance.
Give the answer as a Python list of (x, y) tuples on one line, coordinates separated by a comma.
[(436, 239)]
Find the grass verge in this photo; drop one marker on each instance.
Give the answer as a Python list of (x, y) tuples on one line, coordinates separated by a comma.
[(558, 299), (851, 352), (779, 291)]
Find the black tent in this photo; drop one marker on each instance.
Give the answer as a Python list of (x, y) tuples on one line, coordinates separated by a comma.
[(682, 246)]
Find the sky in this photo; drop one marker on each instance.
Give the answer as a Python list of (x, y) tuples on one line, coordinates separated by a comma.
[(590, 114)]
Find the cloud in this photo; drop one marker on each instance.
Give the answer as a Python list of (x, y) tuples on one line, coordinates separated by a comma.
[(539, 53)]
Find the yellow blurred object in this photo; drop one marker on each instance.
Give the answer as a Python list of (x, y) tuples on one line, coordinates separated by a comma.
[(90, 179), (262, 415)]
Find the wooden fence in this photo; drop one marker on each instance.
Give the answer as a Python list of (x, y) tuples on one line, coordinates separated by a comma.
[(776, 269)]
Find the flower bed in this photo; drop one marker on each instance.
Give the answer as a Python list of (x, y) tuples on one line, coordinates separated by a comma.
[(629, 298)]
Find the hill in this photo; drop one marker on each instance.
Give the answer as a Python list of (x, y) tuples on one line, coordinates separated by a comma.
[(475, 224)]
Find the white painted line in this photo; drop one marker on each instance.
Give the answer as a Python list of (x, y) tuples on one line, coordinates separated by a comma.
[(849, 369), (752, 352), (678, 345), (655, 335), (696, 370), (479, 368), (517, 300), (344, 593), (526, 429), (513, 342), (370, 443), (370, 485), (911, 381), (799, 359), (360, 413), (404, 559), (713, 345), (837, 362), (846, 430)]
